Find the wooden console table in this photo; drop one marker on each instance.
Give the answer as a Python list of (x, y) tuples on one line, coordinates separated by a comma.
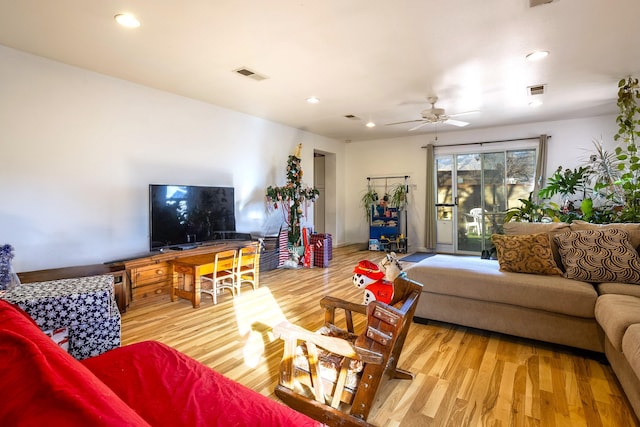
[(151, 276)]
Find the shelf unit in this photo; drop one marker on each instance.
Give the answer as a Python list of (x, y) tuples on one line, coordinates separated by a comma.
[(388, 225)]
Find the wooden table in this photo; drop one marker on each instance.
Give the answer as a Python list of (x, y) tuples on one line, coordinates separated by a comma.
[(186, 272)]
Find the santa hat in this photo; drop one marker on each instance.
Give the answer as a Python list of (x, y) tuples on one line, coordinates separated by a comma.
[(369, 269)]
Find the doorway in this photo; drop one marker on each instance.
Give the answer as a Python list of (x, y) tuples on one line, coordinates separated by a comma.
[(324, 179), (473, 191), (319, 183)]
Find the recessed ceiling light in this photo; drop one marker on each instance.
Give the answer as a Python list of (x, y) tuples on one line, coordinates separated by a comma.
[(127, 20), (537, 55), (370, 125), (313, 100)]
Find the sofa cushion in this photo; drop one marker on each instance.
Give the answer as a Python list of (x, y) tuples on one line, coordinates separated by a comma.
[(475, 278), (551, 228), (599, 256), (42, 385), (615, 313), (631, 347), (526, 253), (632, 228), (618, 288)]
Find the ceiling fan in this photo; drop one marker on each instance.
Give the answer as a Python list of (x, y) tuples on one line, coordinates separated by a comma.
[(435, 115)]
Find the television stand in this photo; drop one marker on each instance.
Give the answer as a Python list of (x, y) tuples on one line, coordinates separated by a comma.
[(151, 275)]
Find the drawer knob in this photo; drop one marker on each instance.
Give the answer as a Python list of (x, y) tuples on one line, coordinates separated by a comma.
[(158, 272)]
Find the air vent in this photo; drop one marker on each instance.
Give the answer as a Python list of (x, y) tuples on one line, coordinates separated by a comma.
[(534, 3), (536, 90), (251, 74), (352, 117)]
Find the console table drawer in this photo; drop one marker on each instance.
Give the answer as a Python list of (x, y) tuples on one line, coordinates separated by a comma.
[(151, 274), (150, 293)]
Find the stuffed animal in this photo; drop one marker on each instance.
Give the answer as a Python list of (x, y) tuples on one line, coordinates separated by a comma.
[(370, 276), (391, 266), (293, 261)]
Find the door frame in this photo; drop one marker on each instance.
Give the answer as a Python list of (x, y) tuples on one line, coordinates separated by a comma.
[(453, 150)]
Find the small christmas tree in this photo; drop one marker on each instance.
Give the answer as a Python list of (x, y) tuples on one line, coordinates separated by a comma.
[(292, 195)]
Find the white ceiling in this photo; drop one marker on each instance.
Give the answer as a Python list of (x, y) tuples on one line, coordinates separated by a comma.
[(375, 59)]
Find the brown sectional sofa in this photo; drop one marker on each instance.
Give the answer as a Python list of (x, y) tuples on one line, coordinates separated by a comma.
[(601, 317)]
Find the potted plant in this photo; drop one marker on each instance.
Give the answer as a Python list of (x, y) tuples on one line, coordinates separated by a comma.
[(368, 201), (398, 196), (530, 211)]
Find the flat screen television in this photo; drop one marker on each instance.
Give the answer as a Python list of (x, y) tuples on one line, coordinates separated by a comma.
[(183, 216)]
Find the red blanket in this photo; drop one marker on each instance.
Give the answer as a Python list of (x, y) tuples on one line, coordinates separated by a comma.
[(42, 385), (168, 388), (138, 385)]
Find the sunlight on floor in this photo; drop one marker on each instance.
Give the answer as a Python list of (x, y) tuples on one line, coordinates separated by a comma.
[(256, 314)]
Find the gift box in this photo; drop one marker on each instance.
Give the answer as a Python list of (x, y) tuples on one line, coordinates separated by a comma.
[(320, 246), (92, 339), (329, 245), (66, 302), (283, 246), (60, 336), (84, 306)]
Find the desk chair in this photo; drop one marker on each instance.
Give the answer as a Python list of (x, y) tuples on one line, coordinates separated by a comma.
[(247, 267), (223, 276)]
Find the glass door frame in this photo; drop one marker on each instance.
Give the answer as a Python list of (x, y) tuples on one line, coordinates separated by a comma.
[(452, 221)]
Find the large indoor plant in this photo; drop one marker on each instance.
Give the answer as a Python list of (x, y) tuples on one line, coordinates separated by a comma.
[(606, 188), (627, 150)]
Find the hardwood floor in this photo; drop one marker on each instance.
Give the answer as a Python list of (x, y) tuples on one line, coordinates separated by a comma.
[(464, 376)]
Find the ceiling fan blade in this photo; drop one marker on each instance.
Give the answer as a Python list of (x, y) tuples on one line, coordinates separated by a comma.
[(401, 123), (463, 113), (419, 126), (458, 123)]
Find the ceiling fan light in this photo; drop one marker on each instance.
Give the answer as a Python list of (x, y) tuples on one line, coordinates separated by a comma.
[(127, 20), (537, 55)]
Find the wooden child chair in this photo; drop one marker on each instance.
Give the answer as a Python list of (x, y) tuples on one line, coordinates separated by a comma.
[(333, 376)]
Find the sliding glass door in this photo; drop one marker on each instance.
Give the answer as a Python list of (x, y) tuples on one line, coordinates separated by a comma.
[(473, 191)]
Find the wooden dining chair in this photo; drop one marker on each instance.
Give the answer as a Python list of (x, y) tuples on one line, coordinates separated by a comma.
[(223, 275), (334, 375), (247, 267)]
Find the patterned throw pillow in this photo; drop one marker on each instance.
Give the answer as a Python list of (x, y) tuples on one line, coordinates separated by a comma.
[(599, 256), (632, 228), (526, 253), (551, 228)]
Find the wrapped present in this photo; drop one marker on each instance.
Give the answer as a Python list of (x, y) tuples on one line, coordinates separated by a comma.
[(66, 302), (330, 244), (283, 246), (320, 250), (93, 339), (84, 308), (60, 336)]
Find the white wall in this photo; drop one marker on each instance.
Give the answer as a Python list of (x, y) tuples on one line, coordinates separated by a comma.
[(569, 146), (79, 150)]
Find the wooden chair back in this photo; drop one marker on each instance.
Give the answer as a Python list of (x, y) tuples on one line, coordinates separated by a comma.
[(378, 348)]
